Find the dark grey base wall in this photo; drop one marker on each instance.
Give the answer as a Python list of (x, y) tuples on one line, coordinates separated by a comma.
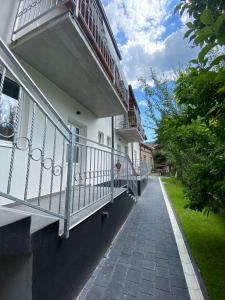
[(142, 185), (61, 267)]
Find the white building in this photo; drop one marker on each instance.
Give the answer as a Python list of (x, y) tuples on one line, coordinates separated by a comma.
[(63, 72)]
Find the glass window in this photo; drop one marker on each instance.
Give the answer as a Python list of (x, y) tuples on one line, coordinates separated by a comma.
[(8, 109), (100, 137), (109, 141)]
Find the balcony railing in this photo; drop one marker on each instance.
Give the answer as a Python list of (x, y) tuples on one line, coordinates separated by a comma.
[(47, 166), (142, 168), (132, 120), (90, 17)]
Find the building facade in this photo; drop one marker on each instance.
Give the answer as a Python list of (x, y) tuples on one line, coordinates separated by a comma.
[(63, 70)]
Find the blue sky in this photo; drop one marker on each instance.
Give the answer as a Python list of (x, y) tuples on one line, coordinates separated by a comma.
[(149, 35)]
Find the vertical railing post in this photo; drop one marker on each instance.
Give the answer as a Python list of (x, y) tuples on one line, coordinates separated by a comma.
[(127, 172), (136, 196), (68, 201), (112, 162), (77, 7)]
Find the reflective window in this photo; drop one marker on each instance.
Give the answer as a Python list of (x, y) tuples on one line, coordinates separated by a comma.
[(8, 109)]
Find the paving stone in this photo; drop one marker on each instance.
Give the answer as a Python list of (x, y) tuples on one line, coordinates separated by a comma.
[(113, 290), (162, 295), (180, 294), (95, 293), (146, 287), (178, 281), (162, 272), (163, 284), (102, 279), (138, 255), (131, 288), (143, 263), (142, 296), (127, 297), (150, 265), (148, 274), (134, 275), (162, 262)]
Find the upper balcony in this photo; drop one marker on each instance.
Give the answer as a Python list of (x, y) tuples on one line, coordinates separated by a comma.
[(71, 43), (129, 126)]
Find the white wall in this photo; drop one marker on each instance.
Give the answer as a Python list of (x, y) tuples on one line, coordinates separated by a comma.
[(7, 16)]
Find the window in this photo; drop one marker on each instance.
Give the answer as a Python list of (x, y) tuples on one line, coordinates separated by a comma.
[(100, 137), (119, 147), (8, 109), (126, 149), (109, 141)]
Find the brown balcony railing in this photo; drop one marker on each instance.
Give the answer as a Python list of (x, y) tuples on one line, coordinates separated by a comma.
[(91, 18), (132, 120)]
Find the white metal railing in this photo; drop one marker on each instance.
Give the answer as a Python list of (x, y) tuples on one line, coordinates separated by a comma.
[(90, 17), (142, 168), (45, 164)]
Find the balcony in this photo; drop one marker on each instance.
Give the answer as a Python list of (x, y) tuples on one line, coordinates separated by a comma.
[(71, 43), (129, 126)]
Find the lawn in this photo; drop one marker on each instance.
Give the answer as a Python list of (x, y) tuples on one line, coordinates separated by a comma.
[(206, 238)]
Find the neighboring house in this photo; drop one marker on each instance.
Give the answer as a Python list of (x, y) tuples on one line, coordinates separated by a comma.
[(146, 155)]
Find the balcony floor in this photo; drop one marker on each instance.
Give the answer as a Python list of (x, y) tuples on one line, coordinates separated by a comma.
[(37, 220), (131, 135)]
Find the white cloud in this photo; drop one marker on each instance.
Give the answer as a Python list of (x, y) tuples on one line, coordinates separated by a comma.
[(142, 23), (142, 103)]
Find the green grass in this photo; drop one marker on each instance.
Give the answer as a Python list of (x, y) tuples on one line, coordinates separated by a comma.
[(206, 238)]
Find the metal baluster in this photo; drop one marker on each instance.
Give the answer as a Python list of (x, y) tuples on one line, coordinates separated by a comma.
[(101, 174), (85, 175), (108, 174), (42, 159), (94, 176), (23, 12), (18, 111), (52, 169), (89, 198), (80, 176), (40, 6), (104, 167), (97, 174), (69, 184), (30, 150), (61, 176), (74, 176), (28, 13), (2, 82)]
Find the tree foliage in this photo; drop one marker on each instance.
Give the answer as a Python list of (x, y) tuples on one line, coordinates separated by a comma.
[(193, 135)]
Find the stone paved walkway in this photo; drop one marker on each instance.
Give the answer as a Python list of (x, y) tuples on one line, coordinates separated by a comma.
[(143, 262)]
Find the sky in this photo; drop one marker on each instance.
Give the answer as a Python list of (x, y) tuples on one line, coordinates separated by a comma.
[(149, 35)]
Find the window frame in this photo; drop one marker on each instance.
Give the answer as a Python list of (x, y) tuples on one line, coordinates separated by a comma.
[(101, 138), (7, 81)]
